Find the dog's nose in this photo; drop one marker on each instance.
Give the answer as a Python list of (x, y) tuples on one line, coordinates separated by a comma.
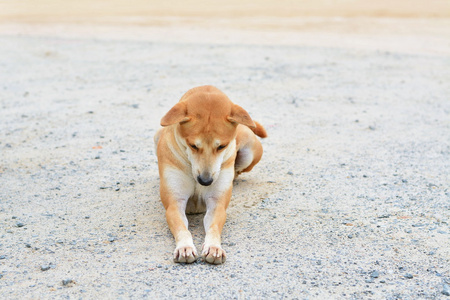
[(206, 180)]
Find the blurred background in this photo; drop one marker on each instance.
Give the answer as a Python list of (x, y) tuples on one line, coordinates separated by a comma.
[(421, 25), (144, 10)]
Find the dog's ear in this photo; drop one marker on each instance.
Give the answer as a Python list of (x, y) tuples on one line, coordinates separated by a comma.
[(239, 115), (176, 114)]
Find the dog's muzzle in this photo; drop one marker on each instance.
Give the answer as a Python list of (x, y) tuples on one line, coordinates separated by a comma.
[(205, 179)]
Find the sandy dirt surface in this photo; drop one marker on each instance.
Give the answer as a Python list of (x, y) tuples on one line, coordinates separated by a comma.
[(350, 201)]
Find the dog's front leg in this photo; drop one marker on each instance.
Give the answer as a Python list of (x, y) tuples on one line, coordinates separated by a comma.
[(216, 204), (185, 251), (175, 191), (212, 251)]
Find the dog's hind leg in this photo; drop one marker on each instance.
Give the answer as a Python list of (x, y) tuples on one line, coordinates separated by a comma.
[(244, 158), (249, 148), (248, 155)]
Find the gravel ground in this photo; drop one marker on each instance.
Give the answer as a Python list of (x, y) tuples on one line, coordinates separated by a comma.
[(350, 200)]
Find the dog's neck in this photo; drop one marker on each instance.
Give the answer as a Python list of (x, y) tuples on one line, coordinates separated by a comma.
[(181, 144)]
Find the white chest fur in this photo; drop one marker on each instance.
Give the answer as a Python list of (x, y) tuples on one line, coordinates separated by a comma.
[(192, 195)]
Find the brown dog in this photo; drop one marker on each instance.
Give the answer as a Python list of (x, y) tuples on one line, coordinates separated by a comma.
[(205, 143)]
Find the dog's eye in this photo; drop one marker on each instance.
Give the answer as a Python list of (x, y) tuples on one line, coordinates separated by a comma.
[(194, 147), (221, 147)]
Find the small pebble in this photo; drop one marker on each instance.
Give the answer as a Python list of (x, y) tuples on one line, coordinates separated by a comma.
[(20, 224), (385, 216), (2, 256), (67, 281), (28, 245), (45, 267), (290, 173), (375, 274), (445, 289), (409, 276)]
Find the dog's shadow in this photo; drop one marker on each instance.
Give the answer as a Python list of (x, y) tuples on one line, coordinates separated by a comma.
[(250, 192), (196, 227), (247, 193)]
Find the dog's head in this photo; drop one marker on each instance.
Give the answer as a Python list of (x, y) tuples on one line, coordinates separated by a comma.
[(207, 122)]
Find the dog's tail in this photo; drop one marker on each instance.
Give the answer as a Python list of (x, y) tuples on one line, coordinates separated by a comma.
[(259, 130)]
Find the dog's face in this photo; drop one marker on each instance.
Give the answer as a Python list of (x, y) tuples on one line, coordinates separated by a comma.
[(207, 130), (208, 144)]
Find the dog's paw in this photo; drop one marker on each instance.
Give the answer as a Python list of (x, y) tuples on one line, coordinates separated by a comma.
[(213, 254), (185, 254)]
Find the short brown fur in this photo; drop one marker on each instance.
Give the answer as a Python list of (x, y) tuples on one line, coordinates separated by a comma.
[(206, 141)]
